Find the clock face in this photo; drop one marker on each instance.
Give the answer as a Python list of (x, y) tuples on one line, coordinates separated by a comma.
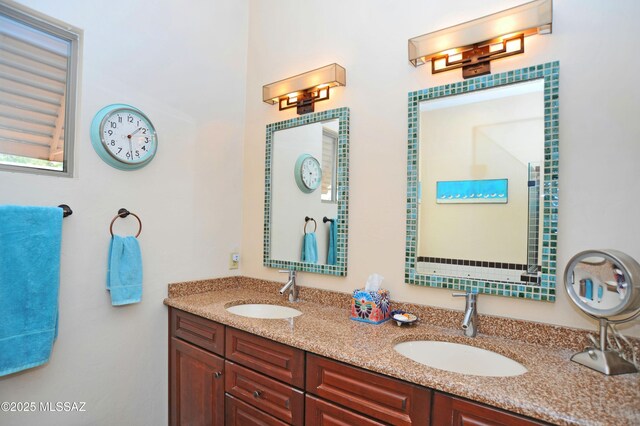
[(128, 136), (310, 173)]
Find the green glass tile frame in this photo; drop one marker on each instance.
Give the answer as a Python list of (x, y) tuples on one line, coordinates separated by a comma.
[(340, 268), (545, 290)]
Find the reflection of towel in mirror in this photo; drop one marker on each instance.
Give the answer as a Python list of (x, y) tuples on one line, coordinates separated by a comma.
[(309, 248), (332, 252)]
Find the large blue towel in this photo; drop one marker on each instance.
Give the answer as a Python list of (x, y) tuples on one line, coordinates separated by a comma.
[(124, 278), (309, 248), (332, 251), (29, 280)]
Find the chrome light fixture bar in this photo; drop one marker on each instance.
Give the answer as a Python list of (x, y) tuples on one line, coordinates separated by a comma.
[(304, 90), (474, 44)]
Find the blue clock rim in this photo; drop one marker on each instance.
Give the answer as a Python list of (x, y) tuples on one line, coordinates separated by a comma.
[(135, 111), (96, 138), (297, 172)]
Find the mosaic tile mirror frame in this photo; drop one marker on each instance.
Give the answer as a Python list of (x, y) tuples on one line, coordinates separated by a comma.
[(340, 194), (540, 285)]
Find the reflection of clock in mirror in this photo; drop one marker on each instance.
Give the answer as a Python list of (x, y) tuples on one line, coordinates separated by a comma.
[(308, 173), (123, 137)]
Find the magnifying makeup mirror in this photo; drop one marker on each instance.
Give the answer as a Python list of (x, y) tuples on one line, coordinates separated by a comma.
[(605, 284)]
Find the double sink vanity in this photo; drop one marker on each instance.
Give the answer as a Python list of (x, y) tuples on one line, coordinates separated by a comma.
[(321, 368), (481, 218)]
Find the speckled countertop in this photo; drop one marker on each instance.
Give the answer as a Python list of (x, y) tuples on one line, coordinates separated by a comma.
[(554, 389)]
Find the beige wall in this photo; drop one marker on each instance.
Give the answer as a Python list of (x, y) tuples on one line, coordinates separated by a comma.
[(598, 128), (185, 68), (493, 139)]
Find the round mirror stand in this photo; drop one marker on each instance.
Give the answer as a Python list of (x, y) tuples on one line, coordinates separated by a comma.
[(605, 284), (607, 361)]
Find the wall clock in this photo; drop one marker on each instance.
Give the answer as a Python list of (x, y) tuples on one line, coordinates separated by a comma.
[(308, 173), (123, 137)]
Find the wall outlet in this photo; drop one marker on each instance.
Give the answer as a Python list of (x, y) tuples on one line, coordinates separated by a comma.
[(234, 260)]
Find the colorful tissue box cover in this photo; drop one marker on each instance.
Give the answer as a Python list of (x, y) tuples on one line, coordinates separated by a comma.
[(370, 306)]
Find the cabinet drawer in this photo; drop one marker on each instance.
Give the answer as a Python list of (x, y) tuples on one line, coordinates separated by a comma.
[(239, 413), (323, 413), (196, 395), (389, 400), (281, 401), (449, 410), (197, 330), (274, 359)]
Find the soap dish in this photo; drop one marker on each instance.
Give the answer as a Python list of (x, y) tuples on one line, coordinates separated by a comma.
[(403, 318)]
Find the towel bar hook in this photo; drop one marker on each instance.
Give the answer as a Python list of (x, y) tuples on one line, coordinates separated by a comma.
[(122, 213), (66, 210), (306, 220)]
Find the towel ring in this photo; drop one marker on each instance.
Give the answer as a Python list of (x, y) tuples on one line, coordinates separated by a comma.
[(306, 220), (124, 213)]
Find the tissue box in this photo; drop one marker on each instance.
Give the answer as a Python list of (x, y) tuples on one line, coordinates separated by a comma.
[(370, 306)]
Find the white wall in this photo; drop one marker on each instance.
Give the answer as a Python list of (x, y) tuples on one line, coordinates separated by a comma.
[(599, 128), (183, 64)]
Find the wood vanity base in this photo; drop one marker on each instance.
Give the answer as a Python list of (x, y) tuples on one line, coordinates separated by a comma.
[(219, 375)]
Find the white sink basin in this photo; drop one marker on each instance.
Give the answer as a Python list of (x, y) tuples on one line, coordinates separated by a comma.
[(459, 358), (264, 311)]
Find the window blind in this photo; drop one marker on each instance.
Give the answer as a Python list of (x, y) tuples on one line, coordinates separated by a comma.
[(34, 68)]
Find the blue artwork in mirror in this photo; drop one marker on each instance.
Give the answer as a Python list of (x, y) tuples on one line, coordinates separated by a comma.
[(472, 191), (493, 138)]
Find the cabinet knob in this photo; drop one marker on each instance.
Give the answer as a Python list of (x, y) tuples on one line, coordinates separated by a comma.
[(257, 394), (217, 374)]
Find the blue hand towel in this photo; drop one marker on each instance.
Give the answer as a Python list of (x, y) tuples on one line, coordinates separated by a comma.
[(30, 240), (310, 248), (332, 252), (124, 278)]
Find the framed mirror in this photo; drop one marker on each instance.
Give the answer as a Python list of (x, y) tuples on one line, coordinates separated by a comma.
[(307, 193), (482, 189)]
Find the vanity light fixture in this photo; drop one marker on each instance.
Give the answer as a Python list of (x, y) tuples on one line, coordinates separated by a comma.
[(474, 44), (304, 90)]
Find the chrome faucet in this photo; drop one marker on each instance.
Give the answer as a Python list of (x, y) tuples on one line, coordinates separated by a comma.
[(470, 321), (290, 286)]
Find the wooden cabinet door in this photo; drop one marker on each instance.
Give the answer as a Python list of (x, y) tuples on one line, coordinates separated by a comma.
[(196, 386), (323, 413), (450, 410), (239, 413), (200, 331), (271, 396), (389, 400), (274, 359)]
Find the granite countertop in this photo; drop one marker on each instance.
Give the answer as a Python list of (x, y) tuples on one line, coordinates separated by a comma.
[(554, 389)]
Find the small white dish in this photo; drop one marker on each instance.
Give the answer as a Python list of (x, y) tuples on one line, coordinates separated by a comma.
[(403, 318)]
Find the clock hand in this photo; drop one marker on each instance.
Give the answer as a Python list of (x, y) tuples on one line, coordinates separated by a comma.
[(130, 149), (137, 130)]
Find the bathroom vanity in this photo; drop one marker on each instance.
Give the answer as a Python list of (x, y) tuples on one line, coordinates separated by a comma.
[(221, 375), (320, 368)]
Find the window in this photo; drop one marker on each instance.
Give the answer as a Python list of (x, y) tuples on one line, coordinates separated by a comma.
[(329, 166), (38, 77)]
